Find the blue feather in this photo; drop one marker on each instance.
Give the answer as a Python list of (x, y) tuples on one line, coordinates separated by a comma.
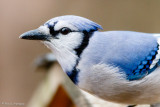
[(77, 21), (131, 52)]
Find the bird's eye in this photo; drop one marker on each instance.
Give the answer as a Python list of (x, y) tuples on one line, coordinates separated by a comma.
[(65, 31)]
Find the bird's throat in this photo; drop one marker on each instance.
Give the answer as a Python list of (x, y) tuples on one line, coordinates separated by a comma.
[(69, 65)]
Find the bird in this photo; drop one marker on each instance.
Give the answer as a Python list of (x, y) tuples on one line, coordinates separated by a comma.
[(117, 66)]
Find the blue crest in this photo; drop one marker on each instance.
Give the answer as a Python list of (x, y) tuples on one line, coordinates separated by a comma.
[(77, 21)]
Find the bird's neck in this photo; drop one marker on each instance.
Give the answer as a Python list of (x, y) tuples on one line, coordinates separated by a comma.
[(68, 61), (69, 58)]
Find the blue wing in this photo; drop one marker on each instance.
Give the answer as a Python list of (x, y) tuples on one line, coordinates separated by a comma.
[(132, 52)]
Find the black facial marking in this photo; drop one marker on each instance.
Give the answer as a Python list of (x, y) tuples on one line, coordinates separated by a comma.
[(84, 43), (52, 31), (73, 74)]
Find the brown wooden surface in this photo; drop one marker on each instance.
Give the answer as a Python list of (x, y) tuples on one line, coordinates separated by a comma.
[(61, 99)]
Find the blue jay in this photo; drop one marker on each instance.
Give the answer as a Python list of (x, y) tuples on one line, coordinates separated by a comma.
[(117, 66)]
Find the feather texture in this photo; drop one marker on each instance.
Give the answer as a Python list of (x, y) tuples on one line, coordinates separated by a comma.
[(77, 21), (131, 52)]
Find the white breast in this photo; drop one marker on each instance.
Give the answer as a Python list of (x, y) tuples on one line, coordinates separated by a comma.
[(106, 82)]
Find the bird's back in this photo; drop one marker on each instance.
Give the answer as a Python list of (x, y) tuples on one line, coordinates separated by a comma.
[(123, 49)]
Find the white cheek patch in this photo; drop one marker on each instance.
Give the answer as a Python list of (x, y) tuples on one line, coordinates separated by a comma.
[(71, 41), (63, 55), (44, 29), (62, 24)]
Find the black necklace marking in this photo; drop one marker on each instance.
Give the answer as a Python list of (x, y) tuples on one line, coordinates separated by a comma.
[(84, 43), (73, 74)]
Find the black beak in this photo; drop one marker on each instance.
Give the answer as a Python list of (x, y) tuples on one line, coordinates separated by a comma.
[(35, 35)]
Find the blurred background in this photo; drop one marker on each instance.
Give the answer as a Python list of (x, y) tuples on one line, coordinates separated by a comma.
[(17, 77)]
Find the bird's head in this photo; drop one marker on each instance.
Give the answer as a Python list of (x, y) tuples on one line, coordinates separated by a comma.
[(64, 35), (63, 32)]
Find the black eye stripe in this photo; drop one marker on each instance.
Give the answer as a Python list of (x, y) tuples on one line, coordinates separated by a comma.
[(62, 31), (51, 28), (65, 30)]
